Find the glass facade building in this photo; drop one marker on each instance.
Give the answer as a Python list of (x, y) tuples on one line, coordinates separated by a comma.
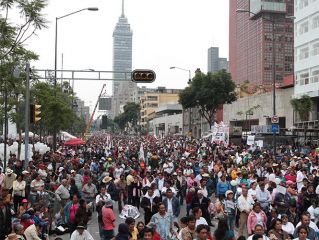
[(252, 37), (123, 87)]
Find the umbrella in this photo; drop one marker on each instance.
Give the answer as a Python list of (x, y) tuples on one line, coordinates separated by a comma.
[(129, 211), (74, 142)]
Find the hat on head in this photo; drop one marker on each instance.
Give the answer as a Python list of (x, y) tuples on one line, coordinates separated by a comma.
[(25, 172), (9, 171), (174, 174), (108, 203), (106, 179), (228, 192), (80, 226), (205, 175), (12, 236), (61, 169), (200, 192), (24, 200), (72, 171)]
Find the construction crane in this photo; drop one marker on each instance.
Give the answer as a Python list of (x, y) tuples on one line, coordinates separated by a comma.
[(92, 115)]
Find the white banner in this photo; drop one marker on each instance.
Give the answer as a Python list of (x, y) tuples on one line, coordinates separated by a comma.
[(250, 140), (220, 134)]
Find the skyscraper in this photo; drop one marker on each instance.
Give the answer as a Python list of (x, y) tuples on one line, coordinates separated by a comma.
[(214, 62), (251, 40), (123, 89)]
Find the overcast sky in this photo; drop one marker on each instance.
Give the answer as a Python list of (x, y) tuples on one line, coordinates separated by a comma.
[(165, 33)]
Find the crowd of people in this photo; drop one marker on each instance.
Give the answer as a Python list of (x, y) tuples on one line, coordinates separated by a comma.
[(184, 189)]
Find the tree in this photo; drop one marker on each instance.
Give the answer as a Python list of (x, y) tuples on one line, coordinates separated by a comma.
[(302, 106), (208, 93), (129, 117)]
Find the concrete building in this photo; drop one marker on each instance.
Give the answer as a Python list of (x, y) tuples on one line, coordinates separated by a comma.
[(251, 40), (168, 120), (257, 110), (214, 62), (81, 110), (123, 89), (152, 100), (307, 48)]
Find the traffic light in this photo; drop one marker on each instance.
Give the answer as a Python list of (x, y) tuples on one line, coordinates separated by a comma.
[(35, 112), (104, 122), (143, 76)]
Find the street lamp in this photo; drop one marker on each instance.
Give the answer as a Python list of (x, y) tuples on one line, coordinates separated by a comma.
[(190, 109), (187, 70), (272, 21), (56, 53)]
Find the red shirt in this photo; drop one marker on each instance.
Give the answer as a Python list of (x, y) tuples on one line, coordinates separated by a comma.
[(108, 218)]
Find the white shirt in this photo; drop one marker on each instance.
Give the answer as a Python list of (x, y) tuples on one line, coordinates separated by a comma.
[(101, 197), (311, 224), (289, 228), (201, 221), (245, 204), (168, 167), (118, 172), (160, 183), (169, 206), (85, 235), (251, 237)]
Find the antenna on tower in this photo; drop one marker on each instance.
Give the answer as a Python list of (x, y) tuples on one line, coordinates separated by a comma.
[(122, 8)]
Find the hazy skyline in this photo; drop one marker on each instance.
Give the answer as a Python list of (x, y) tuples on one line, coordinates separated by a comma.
[(165, 33)]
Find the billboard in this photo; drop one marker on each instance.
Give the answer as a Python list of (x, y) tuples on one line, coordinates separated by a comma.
[(105, 104)]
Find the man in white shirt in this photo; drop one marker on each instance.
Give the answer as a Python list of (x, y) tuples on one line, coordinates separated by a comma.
[(168, 166), (81, 234), (245, 205)]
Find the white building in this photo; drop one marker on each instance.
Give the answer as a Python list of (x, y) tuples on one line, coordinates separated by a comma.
[(306, 48)]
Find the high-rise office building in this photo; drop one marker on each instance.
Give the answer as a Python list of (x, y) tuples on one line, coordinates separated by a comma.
[(251, 40), (307, 49), (123, 89), (214, 62)]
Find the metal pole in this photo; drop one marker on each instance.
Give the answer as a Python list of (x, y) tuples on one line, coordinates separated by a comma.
[(5, 123), (190, 121), (27, 116), (274, 79), (55, 74)]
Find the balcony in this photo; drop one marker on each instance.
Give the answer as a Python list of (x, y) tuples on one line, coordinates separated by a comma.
[(259, 6)]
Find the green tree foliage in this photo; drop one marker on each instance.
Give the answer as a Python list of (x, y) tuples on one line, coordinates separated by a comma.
[(56, 107), (129, 117), (14, 32), (302, 106), (208, 92)]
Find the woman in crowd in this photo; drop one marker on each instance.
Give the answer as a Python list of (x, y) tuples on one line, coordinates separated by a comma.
[(18, 191), (276, 231), (133, 230), (256, 216)]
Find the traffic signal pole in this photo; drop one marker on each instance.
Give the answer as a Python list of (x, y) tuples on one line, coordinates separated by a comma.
[(27, 116)]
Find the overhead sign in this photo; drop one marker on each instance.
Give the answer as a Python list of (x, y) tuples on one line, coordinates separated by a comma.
[(250, 140), (261, 129), (105, 104), (275, 119)]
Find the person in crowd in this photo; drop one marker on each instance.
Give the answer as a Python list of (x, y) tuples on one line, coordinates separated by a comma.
[(5, 219), (36, 186), (8, 180), (302, 233), (89, 192), (230, 209), (202, 232), (82, 214), (189, 232), (286, 225), (311, 226), (203, 203), (132, 229), (33, 232), (222, 186), (256, 216), (18, 192), (136, 191), (69, 213), (263, 197), (108, 220), (260, 231), (197, 212), (245, 205), (172, 204), (163, 221), (123, 232), (276, 231), (222, 231), (62, 193), (80, 233), (148, 234), (19, 231), (140, 227), (149, 204)]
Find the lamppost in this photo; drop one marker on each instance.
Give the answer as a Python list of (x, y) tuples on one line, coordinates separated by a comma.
[(56, 54), (272, 21), (190, 109)]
